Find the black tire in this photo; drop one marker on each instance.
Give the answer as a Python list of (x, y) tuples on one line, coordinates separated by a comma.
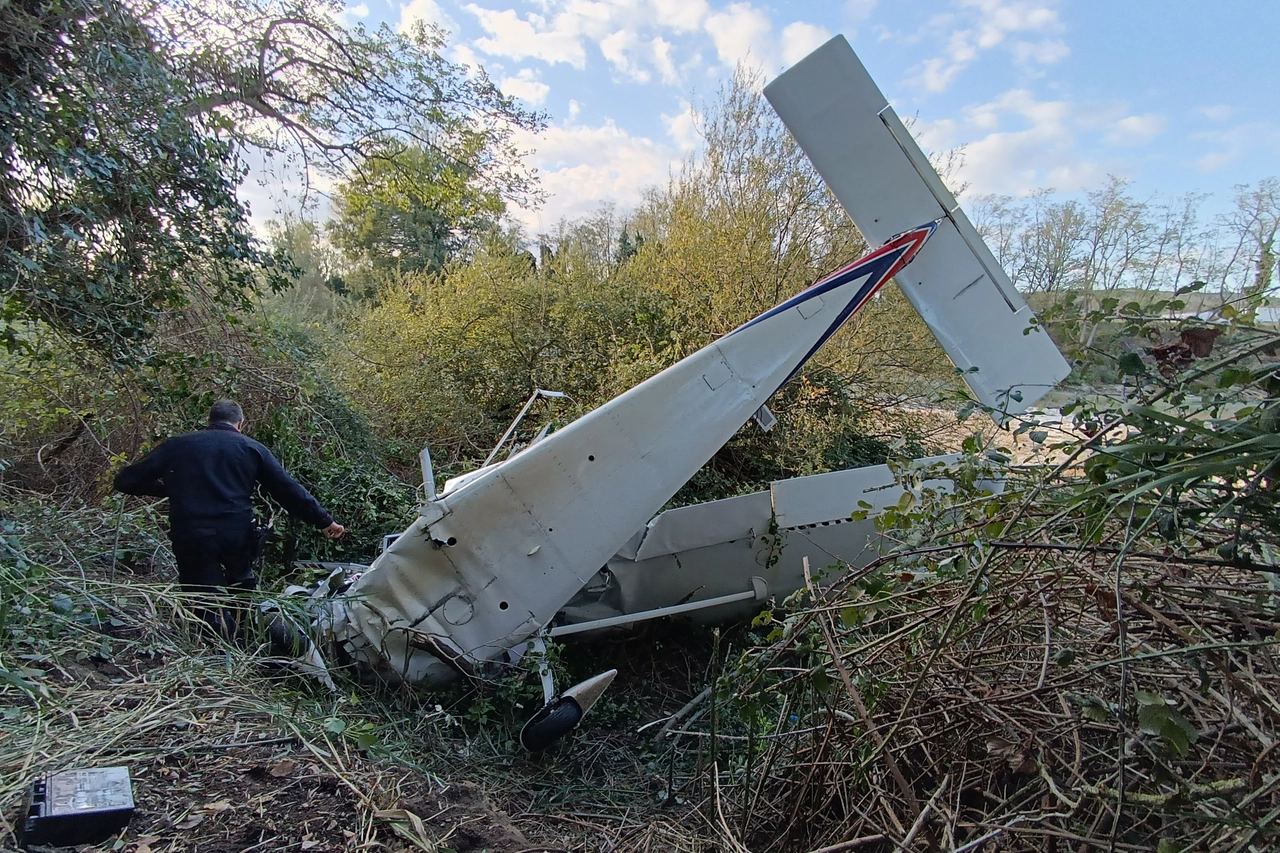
[(550, 724)]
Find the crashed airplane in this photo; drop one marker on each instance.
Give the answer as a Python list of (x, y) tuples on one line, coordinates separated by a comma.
[(562, 536)]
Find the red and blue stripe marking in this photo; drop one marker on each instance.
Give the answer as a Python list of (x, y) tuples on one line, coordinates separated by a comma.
[(877, 267)]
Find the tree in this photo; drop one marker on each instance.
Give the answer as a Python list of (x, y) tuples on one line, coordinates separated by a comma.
[(448, 359), (319, 289), (288, 78), (1253, 225), (411, 208), (114, 203), (746, 223), (123, 129)]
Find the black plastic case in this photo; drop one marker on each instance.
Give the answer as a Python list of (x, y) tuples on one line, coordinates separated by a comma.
[(77, 807)]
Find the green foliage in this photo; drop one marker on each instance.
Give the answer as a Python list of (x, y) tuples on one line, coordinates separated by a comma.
[(447, 360), (1193, 463), (1155, 717), (340, 464), (68, 426), (317, 296), (115, 202), (450, 359), (412, 208), (746, 224)]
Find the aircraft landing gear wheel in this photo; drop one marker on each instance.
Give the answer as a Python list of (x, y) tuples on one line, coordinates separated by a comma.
[(550, 724)]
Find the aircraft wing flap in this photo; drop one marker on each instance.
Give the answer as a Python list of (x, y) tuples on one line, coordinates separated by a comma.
[(880, 176)]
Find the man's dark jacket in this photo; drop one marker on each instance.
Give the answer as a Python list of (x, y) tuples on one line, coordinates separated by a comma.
[(208, 477)]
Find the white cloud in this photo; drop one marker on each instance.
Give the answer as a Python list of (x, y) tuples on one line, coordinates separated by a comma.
[(628, 33), (1218, 112), (681, 15), (742, 33), (1137, 130), (1235, 142), (533, 37), (663, 61), (615, 47), (982, 25), (574, 108), (683, 129), (1047, 52), (1015, 144), (1214, 162), (858, 11), (464, 55), (426, 12), (358, 11), (799, 39), (637, 58), (581, 166), (526, 85)]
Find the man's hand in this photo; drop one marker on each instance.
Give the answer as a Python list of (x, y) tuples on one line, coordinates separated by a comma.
[(334, 531)]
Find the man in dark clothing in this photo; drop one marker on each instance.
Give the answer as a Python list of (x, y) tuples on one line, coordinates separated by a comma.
[(208, 477)]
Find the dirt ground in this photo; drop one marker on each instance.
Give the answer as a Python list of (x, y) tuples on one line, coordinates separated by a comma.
[(279, 796), (211, 775)]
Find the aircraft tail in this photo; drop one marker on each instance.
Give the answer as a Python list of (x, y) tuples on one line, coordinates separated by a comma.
[(885, 182)]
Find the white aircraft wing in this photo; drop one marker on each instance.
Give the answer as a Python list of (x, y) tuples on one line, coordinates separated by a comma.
[(711, 550), (886, 184)]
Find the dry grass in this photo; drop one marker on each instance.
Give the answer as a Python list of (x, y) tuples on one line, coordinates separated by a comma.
[(1035, 696), (227, 751)]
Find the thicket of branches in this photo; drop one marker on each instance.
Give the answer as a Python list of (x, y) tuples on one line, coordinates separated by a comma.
[(1084, 660)]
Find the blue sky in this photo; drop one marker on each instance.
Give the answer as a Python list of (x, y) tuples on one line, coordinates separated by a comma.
[(1175, 95)]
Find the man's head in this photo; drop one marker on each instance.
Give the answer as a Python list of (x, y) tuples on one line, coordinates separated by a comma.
[(226, 412)]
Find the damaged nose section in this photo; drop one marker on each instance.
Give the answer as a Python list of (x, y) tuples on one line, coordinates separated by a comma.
[(558, 717)]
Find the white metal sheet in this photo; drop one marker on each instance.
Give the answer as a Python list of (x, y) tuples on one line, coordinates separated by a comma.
[(689, 527), (519, 539), (875, 169), (829, 497)]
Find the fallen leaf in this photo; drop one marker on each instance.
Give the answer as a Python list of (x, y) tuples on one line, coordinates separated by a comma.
[(408, 826), (284, 767), (216, 808), (308, 843), (142, 848), (190, 821), (1019, 761), (1001, 747)]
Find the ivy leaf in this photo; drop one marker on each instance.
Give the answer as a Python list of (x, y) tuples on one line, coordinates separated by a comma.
[(1130, 364), (1156, 718), (1235, 376)]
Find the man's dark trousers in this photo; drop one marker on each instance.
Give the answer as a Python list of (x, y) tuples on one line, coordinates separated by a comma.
[(217, 561)]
